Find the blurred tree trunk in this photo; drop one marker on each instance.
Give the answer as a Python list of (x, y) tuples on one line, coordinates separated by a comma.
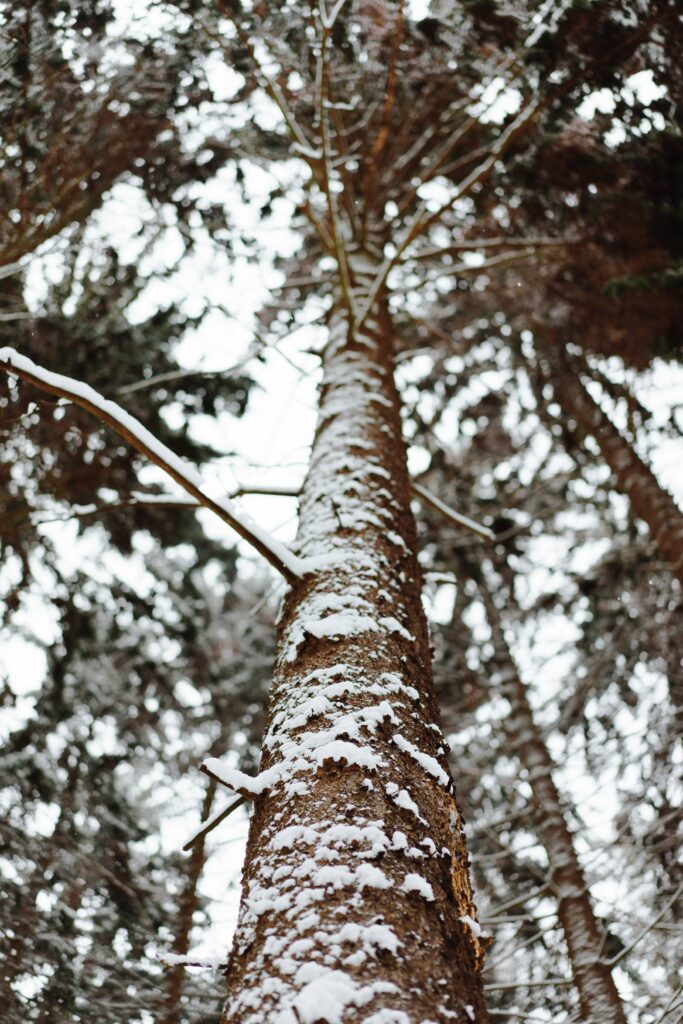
[(649, 500), (598, 995)]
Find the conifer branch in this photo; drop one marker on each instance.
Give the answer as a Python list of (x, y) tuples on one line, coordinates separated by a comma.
[(108, 412)]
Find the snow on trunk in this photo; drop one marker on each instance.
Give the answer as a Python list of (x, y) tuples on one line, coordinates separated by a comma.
[(357, 903)]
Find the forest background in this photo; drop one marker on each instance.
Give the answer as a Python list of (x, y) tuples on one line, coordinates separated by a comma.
[(159, 245)]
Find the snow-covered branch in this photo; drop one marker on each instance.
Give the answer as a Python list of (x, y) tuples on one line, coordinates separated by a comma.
[(449, 513), (279, 556)]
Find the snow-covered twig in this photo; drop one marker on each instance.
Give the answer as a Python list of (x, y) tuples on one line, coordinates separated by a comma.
[(175, 960), (449, 513), (279, 556), (328, 20)]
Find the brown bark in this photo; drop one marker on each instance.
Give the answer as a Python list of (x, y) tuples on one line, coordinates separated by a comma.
[(356, 878), (598, 996), (649, 500)]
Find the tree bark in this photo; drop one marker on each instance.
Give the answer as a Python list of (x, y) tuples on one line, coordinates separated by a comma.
[(357, 903), (649, 500), (599, 999)]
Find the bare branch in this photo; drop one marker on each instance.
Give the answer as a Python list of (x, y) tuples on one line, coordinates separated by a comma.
[(528, 984), (279, 556), (213, 822), (670, 1006), (19, 314), (169, 501), (174, 375)]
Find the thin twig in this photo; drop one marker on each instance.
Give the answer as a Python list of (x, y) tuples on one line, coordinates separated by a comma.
[(213, 822)]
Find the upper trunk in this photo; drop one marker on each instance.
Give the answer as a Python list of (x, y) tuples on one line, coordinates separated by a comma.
[(649, 500), (357, 902)]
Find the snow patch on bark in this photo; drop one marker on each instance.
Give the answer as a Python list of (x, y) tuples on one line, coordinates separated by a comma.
[(327, 996), (473, 925), (426, 761), (418, 884)]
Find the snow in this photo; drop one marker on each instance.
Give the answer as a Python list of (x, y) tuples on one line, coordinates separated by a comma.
[(390, 1017), (192, 960), (371, 877), (418, 884), (327, 997), (340, 625), (426, 761), (239, 781), (403, 799), (473, 925), (392, 625)]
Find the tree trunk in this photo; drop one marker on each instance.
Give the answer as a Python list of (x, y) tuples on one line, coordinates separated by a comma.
[(357, 903), (649, 500), (599, 1000)]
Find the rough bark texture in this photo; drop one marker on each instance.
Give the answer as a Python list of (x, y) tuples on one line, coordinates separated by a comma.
[(598, 996), (357, 903), (649, 500)]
